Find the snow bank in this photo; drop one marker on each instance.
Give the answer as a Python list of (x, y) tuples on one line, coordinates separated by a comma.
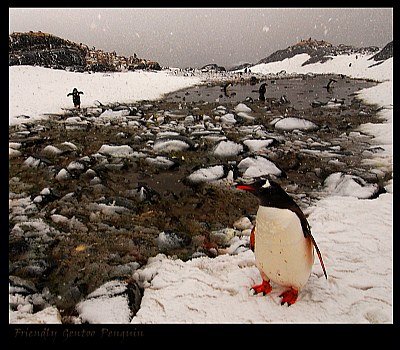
[(355, 66), (34, 91)]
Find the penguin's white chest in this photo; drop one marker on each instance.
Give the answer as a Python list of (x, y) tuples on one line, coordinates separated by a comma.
[(282, 252)]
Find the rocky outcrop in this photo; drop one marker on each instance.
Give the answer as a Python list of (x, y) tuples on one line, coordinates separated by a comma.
[(47, 50), (385, 53), (212, 67), (319, 51)]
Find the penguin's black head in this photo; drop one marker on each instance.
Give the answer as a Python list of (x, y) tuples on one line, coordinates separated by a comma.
[(260, 187), (269, 192)]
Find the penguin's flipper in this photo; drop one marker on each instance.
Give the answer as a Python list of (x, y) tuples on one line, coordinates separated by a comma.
[(289, 296), (319, 254), (253, 238)]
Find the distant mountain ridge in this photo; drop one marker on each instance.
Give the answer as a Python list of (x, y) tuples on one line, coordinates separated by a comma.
[(43, 49), (319, 51), (322, 51)]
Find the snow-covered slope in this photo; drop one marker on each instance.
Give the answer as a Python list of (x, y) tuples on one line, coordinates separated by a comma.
[(34, 91)]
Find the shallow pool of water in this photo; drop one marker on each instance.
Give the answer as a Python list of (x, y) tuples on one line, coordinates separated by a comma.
[(300, 91)]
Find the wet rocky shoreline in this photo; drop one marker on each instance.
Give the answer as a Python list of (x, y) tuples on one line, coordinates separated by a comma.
[(94, 193)]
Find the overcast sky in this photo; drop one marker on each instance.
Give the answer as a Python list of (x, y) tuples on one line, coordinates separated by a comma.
[(182, 37)]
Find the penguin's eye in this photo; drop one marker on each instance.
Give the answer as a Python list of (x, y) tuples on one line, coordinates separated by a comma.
[(266, 185)]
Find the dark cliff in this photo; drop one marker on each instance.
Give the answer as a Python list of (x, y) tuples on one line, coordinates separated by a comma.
[(47, 50)]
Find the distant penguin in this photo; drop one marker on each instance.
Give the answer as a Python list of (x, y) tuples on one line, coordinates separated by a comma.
[(329, 86), (226, 87), (281, 240), (75, 97), (261, 91)]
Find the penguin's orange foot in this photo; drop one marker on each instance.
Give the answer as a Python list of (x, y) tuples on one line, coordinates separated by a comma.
[(289, 296), (264, 288)]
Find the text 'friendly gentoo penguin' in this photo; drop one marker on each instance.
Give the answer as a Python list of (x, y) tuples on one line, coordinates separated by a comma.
[(281, 240)]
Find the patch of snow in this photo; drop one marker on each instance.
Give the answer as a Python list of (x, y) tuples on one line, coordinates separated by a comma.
[(349, 185)]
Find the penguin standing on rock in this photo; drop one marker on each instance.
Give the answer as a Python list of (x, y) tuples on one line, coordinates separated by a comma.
[(281, 240)]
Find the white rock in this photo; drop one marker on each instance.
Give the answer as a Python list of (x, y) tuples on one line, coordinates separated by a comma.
[(228, 118), (63, 175), (123, 151), (241, 107), (227, 149), (243, 223), (291, 123), (257, 145), (212, 173), (51, 150), (258, 166)]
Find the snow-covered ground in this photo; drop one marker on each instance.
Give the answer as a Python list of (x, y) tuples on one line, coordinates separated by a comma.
[(354, 235), (35, 91)]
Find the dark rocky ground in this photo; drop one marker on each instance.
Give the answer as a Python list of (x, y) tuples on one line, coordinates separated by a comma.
[(70, 234)]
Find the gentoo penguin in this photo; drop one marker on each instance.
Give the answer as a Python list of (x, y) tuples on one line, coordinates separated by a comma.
[(281, 240), (261, 91), (226, 87), (329, 86)]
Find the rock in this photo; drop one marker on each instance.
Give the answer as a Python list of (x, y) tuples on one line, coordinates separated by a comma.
[(227, 149), (173, 143), (122, 151), (291, 123), (258, 145), (167, 241), (243, 223), (43, 49), (385, 53), (209, 174), (258, 166)]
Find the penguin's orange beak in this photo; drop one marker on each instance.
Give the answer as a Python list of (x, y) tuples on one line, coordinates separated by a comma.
[(245, 187)]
